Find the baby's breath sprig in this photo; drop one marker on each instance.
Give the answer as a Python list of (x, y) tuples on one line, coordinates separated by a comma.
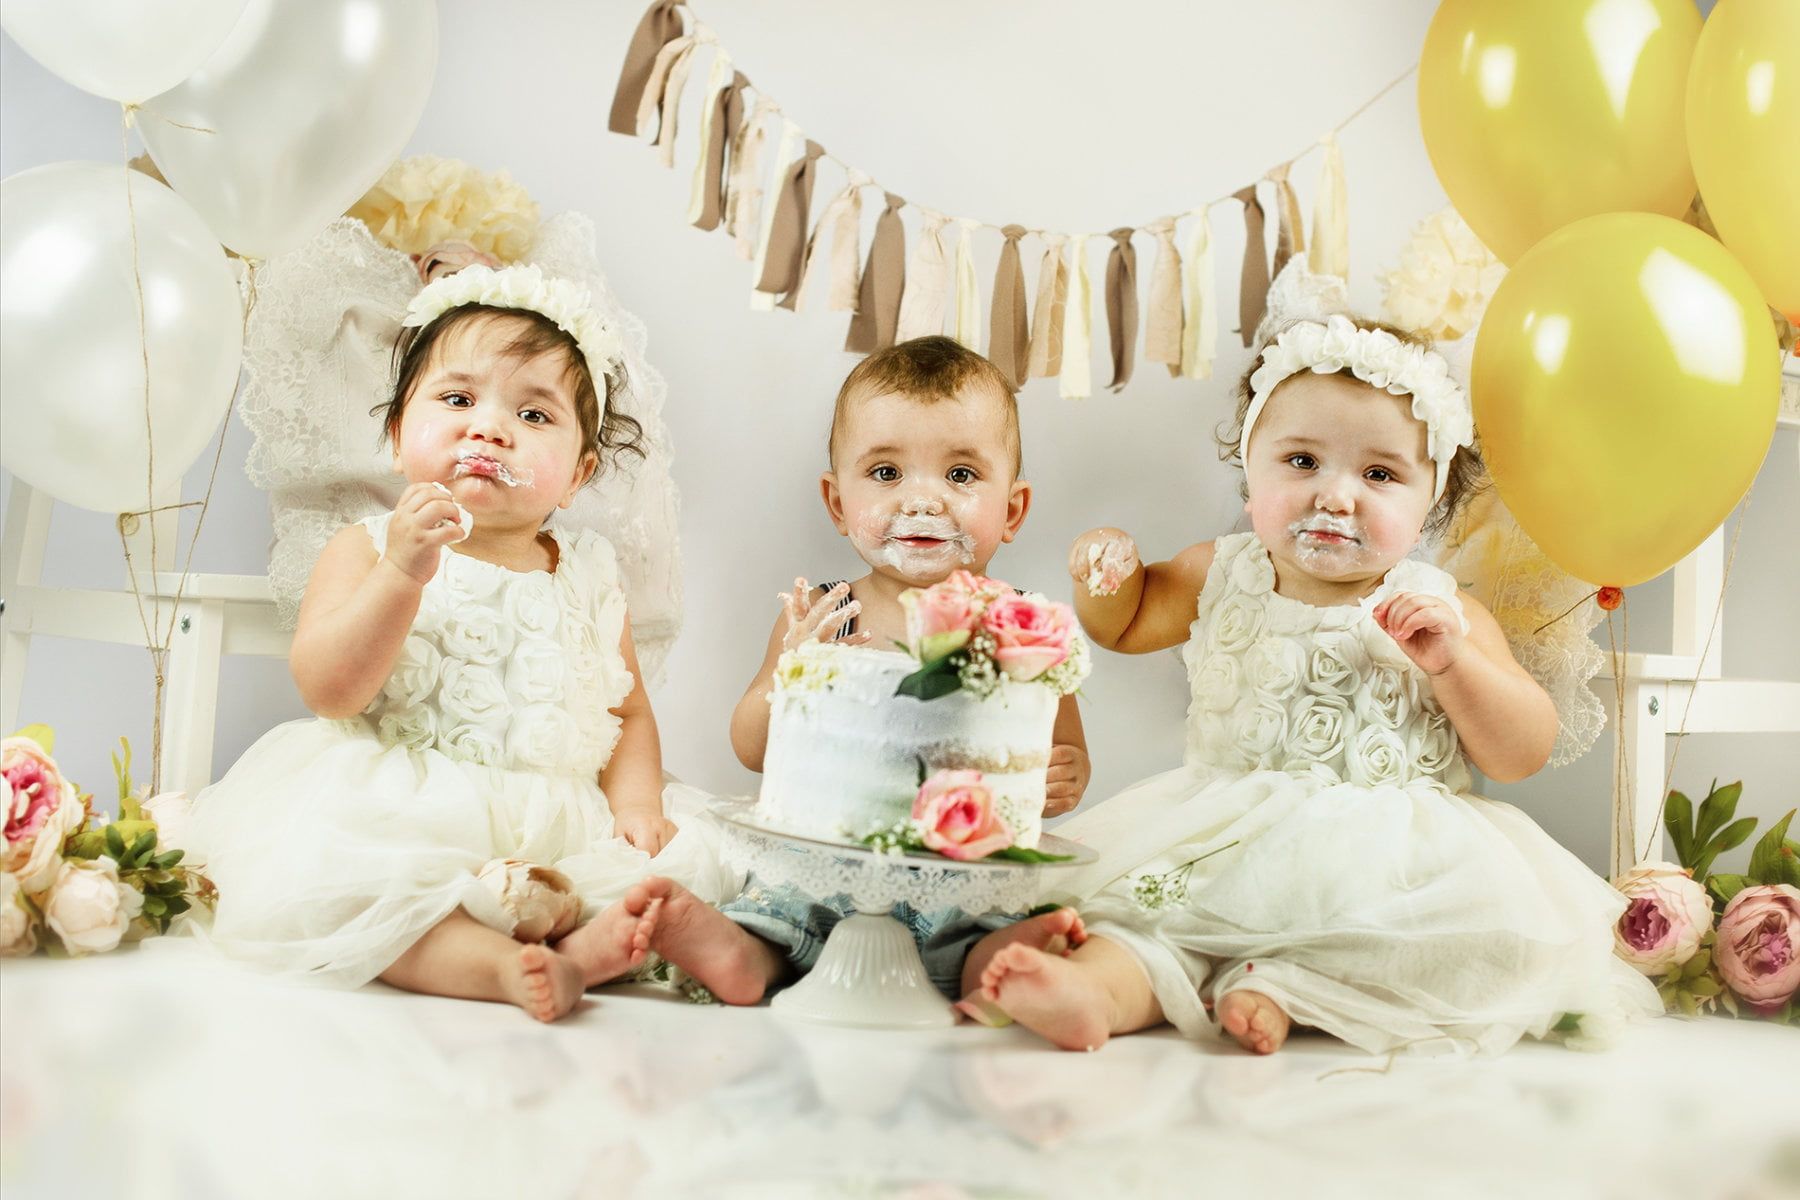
[(977, 672), (1169, 889), (898, 838)]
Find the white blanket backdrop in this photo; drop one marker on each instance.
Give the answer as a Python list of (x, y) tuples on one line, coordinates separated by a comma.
[(1050, 113)]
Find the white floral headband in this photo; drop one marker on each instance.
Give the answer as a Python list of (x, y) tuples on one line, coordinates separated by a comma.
[(1379, 359), (563, 301)]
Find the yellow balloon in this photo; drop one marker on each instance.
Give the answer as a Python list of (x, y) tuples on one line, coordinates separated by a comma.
[(1743, 125), (1537, 113), (1625, 384)]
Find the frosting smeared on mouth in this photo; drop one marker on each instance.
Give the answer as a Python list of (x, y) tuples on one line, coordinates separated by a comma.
[(485, 466)]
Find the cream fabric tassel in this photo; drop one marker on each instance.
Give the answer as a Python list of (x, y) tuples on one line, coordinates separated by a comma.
[(650, 102), (1290, 230), (842, 223), (1330, 249), (718, 86), (671, 100), (1047, 314), (1075, 381), (743, 184), (927, 281), (761, 301), (968, 300), (1162, 325), (1200, 323)]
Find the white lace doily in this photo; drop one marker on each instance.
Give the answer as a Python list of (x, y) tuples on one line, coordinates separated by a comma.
[(319, 351)]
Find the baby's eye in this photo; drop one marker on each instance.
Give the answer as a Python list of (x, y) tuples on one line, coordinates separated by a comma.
[(962, 475), (458, 399), (1380, 474), (1302, 461), (534, 416), (885, 474)]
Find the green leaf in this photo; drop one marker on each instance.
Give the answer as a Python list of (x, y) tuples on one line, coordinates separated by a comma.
[(164, 861), (1724, 887), (1706, 987), (1729, 1001), (144, 843), (115, 845), (122, 772), (43, 735), (929, 684), (155, 906), (1765, 859), (177, 905), (1697, 965), (1567, 1023), (90, 844), (1021, 854), (1716, 811), (1734, 835), (1678, 819), (1689, 1006)]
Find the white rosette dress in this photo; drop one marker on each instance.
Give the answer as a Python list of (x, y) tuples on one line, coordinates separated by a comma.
[(336, 844), (1352, 877)]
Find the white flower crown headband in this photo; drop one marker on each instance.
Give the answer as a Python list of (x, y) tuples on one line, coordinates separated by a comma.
[(563, 301), (1379, 359)]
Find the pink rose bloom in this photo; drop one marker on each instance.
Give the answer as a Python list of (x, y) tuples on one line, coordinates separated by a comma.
[(1758, 947), (34, 787), (956, 811), (940, 619), (1030, 635), (1666, 915)]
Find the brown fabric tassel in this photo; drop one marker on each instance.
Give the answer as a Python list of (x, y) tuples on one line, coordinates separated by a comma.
[(883, 283), (1290, 232), (1009, 334), (1122, 305), (1253, 283), (728, 115), (661, 25), (787, 234), (1048, 312)]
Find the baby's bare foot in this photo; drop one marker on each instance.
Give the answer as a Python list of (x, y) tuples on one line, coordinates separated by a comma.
[(734, 965), (618, 939), (1257, 1022), (1057, 932), (542, 982), (1048, 994)]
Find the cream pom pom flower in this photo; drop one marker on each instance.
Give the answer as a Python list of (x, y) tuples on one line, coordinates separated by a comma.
[(424, 200), (1444, 280)]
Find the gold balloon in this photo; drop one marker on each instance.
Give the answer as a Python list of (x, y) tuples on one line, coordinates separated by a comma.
[(1743, 126), (1537, 113), (1625, 386)]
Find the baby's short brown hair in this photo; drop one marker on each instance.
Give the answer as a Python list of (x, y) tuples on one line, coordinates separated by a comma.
[(928, 370)]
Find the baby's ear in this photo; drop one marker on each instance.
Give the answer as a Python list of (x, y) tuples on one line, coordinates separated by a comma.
[(834, 501), (584, 474), (1018, 503)]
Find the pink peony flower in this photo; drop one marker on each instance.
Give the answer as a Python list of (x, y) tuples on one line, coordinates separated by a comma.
[(940, 619), (1031, 634), (956, 811), (34, 787), (1758, 947), (1666, 915)]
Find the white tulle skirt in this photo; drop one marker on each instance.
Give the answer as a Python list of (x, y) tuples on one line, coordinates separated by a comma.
[(1390, 917), (334, 853)]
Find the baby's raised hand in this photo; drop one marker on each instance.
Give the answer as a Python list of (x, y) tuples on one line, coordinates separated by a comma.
[(1102, 560), (645, 828), (1066, 779), (818, 621), (1427, 629), (425, 521)]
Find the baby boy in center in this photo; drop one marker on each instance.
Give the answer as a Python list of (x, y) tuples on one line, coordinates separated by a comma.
[(924, 481)]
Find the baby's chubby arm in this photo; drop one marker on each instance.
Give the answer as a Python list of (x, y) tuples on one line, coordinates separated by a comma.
[(1127, 606), (1067, 776), (359, 607), (800, 620), (1505, 721), (632, 777)]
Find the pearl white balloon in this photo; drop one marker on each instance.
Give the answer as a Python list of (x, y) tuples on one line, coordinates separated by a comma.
[(125, 50), (72, 413), (308, 101)]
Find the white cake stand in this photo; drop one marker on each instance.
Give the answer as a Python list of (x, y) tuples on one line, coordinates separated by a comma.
[(869, 973)]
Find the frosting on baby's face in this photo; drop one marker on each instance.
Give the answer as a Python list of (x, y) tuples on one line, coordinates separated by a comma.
[(1340, 485), (922, 489)]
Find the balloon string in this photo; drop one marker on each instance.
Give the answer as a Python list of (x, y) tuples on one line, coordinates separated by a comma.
[(1624, 811), (1699, 669)]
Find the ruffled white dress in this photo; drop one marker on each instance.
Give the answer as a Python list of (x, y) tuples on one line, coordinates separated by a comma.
[(1352, 876), (336, 844)]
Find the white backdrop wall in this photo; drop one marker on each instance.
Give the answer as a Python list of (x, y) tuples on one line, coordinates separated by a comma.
[(1057, 114)]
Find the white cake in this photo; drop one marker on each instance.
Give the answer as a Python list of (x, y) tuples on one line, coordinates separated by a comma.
[(845, 753)]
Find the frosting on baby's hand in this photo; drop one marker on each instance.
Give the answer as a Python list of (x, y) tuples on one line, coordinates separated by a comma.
[(464, 517), (1110, 564)]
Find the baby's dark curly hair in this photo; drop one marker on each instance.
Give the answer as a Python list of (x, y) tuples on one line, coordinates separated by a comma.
[(1467, 477), (604, 430)]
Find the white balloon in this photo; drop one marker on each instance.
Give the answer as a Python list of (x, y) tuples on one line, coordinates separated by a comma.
[(125, 50), (72, 420), (308, 101)]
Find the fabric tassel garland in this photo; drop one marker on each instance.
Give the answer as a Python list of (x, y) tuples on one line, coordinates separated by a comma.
[(968, 302), (1253, 282), (785, 165), (743, 183), (1162, 324), (842, 223), (670, 108), (1009, 334), (1290, 232), (1329, 253), (883, 283), (1122, 306), (661, 25), (718, 129), (786, 253), (1075, 382), (1048, 311), (1200, 321), (927, 281)]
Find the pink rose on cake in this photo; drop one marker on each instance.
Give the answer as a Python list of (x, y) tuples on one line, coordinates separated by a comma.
[(940, 619), (1031, 635), (956, 816), (1758, 948)]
